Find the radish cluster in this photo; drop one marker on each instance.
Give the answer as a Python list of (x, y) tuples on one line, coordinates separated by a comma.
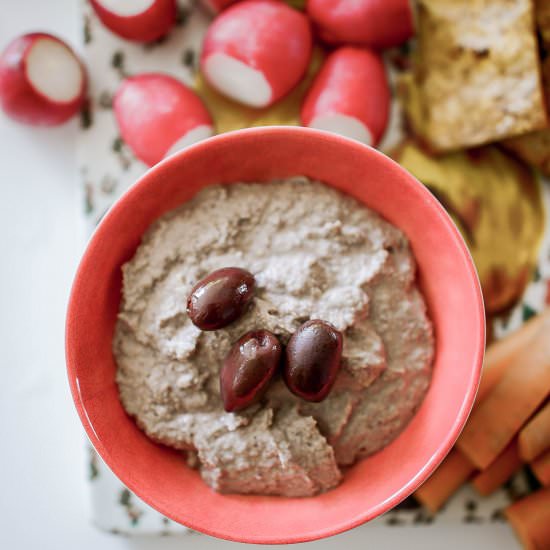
[(254, 52)]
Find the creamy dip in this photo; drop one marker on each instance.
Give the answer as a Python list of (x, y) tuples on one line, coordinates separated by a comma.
[(315, 254)]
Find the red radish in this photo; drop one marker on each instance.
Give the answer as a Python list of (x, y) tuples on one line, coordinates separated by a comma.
[(373, 23), (349, 96), (158, 115), (138, 20), (42, 81), (215, 6), (256, 51)]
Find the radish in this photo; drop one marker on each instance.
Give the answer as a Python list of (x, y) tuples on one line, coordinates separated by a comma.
[(349, 96), (42, 81), (256, 51), (215, 6), (373, 23), (138, 20), (158, 115)]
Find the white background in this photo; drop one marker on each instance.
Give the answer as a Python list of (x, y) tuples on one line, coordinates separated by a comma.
[(43, 488)]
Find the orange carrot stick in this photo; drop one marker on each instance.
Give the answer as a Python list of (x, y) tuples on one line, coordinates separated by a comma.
[(541, 468), (453, 472), (530, 518), (502, 353), (500, 471), (521, 390), (534, 438)]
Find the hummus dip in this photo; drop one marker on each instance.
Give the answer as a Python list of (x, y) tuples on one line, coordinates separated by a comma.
[(315, 254)]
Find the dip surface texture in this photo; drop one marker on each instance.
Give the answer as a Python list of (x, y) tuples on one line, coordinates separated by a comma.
[(315, 254)]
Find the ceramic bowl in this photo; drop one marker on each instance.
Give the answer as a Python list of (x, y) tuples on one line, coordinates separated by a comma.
[(374, 485)]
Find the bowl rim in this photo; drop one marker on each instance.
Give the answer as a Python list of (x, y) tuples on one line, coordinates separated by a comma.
[(478, 317)]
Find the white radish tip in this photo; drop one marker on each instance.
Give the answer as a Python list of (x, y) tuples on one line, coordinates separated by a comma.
[(126, 8), (54, 71), (344, 125), (237, 80), (195, 135)]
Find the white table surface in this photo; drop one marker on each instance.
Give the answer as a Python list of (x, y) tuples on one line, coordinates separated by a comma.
[(43, 487)]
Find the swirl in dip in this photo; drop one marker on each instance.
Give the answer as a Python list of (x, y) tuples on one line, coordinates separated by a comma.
[(315, 254)]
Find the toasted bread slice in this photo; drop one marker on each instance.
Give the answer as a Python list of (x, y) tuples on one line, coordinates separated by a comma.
[(534, 147), (477, 72), (542, 16)]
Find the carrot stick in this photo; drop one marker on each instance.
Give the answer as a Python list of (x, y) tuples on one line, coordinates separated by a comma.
[(521, 390), (530, 518), (541, 468), (502, 353), (534, 438), (500, 471), (447, 479)]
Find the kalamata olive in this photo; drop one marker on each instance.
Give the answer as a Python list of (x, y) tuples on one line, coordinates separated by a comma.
[(220, 298), (248, 368), (312, 360)]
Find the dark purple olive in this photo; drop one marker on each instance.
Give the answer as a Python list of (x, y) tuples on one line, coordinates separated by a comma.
[(248, 368), (220, 298), (312, 360)]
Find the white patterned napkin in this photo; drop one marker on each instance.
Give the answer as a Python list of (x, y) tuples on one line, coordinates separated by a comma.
[(108, 168)]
